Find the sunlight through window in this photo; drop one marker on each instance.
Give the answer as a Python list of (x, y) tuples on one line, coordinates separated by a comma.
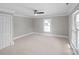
[(77, 27), (46, 25)]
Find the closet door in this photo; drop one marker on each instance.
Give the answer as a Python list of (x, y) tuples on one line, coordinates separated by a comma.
[(74, 33), (5, 30)]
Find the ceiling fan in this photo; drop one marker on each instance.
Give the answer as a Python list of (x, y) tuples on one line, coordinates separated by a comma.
[(67, 3), (36, 12)]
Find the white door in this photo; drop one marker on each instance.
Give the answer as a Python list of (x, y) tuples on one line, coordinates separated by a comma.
[(5, 30), (74, 32)]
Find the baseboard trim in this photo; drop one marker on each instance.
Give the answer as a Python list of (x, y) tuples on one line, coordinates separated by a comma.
[(22, 35), (45, 34), (55, 35)]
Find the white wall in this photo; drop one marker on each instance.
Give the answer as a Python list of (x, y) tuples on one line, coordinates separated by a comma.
[(22, 25), (59, 25)]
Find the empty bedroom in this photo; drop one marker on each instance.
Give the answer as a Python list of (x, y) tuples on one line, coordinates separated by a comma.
[(39, 28)]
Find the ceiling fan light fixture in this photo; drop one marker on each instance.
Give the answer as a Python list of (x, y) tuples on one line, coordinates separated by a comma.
[(36, 12), (67, 3), (40, 12)]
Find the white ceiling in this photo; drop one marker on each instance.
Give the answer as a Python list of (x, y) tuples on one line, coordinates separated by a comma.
[(26, 9)]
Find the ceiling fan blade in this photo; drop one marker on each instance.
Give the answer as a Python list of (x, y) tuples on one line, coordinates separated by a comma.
[(40, 12)]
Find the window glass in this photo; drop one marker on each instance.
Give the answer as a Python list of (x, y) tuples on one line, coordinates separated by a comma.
[(46, 25)]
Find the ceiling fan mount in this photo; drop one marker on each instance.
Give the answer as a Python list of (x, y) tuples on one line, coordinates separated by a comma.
[(67, 3)]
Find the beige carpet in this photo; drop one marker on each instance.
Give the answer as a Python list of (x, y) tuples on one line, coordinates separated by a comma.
[(38, 45)]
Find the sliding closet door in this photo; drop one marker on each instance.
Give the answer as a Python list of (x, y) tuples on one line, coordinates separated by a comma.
[(74, 32), (5, 30)]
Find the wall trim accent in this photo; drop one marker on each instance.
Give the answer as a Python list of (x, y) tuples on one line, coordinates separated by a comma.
[(22, 35), (48, 34)]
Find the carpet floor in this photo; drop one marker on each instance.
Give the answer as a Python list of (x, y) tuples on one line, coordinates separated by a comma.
[(38, 45)]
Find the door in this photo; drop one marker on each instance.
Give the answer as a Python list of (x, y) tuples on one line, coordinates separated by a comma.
[(74, 32), (5, 30)]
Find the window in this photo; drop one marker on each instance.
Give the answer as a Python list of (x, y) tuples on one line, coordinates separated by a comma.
[(77, 29), (77, 21), (74, 33), (47, 25)]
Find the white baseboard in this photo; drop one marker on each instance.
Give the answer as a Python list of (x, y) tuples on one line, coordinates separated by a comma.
[(40, 34), (48, 34), (22, 35)]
